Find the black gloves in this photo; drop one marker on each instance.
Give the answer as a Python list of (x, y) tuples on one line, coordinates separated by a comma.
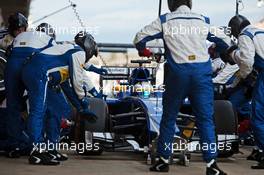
[(249, 83), (231, 49), (100, 71), (226, 55), (85, 112)]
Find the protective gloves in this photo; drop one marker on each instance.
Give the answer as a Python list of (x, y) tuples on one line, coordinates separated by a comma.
[(100, 71), (226, 56), (231, 49), (65, 123), (95, 93), (145, 53), (251, 79), (250, 83), (212, 52), (85, 112)]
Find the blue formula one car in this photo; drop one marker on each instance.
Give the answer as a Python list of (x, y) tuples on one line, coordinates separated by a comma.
[(129, 119)]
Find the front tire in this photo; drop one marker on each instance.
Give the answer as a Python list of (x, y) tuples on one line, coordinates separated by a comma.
[(226, 128)]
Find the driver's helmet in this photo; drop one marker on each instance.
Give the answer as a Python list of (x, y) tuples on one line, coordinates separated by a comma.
[(139, 75), (142, 89)]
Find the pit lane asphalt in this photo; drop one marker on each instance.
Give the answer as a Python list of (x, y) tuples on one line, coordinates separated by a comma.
[(121, 163)]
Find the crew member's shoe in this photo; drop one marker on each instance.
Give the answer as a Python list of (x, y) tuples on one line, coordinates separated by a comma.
[(255, 155), (55, 155), (161, 166), (213, 169), (38, 158), (260, 165), (15, 153)]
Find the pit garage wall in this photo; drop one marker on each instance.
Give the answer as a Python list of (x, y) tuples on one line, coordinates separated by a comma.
[(8, 7)]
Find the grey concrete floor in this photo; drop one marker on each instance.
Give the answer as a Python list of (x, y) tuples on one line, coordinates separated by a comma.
[(122, 163)]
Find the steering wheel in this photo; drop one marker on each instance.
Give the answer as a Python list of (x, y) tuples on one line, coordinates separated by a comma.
[(141, 62)]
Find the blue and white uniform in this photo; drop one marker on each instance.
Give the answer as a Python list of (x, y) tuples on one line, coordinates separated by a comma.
[(51, 67), (224, 71), (226, 76), (23, 46), (3, 33), (250, 55), (188, 71), (5, 39), (58, 107)]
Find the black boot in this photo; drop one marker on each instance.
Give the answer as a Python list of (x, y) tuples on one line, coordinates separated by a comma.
[(213, 169), (55, 155), (14, 153), (41, 158), (260, 165), (255, 155), (161, 166)]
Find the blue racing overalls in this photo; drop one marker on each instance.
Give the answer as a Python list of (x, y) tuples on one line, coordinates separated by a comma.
[(251, 51), (39, 73), (24, 45), (187, 73)]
